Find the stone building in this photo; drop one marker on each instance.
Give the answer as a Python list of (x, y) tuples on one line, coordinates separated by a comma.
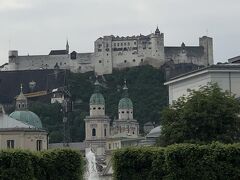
[(102, 137), (120, 52), (114, 52), (97, 125), (22, 129)]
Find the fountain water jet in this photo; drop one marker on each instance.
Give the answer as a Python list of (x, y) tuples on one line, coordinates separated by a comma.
[(91, 173)]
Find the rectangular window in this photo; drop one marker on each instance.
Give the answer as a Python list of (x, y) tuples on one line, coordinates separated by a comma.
[(39, 145), (105, 132), (10, 144)]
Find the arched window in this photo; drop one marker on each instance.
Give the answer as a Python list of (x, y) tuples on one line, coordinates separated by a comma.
[(93, 132)]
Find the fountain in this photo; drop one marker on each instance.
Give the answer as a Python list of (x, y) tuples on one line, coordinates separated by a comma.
[(91, 173)]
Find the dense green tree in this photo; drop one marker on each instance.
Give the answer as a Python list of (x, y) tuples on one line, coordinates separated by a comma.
[(203, 116)]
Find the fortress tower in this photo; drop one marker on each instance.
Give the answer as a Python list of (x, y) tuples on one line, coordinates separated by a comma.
[(207, 44)]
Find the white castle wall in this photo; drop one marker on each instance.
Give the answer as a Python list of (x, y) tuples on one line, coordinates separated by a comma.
[(82, 63), (119, 52)]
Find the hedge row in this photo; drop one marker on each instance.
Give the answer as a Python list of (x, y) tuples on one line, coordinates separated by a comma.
[(182, 161), (59, 164)]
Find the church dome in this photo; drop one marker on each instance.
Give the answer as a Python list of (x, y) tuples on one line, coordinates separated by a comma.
[(27, 117), (97, 99), (154, 133), (125, 103)]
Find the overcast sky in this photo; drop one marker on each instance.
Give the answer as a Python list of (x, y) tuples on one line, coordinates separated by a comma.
[(37, 26)]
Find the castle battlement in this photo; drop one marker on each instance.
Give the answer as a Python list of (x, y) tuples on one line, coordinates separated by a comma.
[(114, 52)]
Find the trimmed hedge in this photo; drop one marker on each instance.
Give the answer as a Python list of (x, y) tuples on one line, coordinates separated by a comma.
[(182, 161), (59, 164)]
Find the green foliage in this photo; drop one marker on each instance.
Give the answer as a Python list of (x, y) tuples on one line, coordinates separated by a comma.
[(182, 161), (203, 116), (146, 90), (214, 161), (51, 117), (138, 163), (63, 164), (16, 165)]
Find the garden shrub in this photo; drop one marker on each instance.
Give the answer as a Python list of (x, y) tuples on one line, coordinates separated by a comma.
[(181, 161), (138, 163), (16, 165), (60, 164)]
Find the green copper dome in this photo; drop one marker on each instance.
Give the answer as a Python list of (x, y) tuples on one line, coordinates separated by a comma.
[(97, 99), (125, 103), (27, 117)]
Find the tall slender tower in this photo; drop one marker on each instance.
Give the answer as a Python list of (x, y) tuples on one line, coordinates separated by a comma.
[(125, 125), (97, 125)]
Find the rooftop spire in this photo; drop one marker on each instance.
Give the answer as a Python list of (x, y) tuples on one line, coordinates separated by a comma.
[(21, 101), (157, 31), (125, 89), (21, 88), (97, 86), (67, 46)]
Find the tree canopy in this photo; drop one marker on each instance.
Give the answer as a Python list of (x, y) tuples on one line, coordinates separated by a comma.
[(203, 116)]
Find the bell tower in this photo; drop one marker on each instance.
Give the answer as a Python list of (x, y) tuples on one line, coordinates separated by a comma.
[(125, 125), (21, 101), (97, 125)]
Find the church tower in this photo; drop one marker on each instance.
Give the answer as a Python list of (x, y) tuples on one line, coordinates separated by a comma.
[(125, 125), (21, 101), (97, 125)]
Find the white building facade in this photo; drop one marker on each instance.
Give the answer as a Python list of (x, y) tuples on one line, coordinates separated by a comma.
[(227, 76)]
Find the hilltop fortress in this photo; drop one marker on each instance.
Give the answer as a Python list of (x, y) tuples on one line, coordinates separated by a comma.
[(114, 52)]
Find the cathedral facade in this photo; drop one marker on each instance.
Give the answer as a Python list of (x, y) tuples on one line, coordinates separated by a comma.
[(114, 52), (100, 135)]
